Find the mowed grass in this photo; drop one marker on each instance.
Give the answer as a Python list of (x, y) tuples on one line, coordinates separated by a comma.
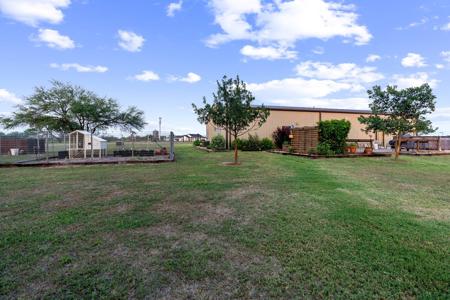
[(274, 227)]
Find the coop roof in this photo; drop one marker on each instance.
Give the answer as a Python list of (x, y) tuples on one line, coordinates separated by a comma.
[(84, 132)]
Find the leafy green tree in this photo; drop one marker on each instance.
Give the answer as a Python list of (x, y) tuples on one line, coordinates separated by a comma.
[(65, 107), (398, 112), (232, 110)]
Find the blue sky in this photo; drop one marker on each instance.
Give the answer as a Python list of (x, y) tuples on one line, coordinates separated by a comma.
[(163, 55)]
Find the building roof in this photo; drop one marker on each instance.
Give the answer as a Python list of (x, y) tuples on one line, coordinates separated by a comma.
[(315, 109), (195, 135)]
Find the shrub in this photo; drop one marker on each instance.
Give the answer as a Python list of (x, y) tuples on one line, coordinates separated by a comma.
[(333, 134), (266, 144), (253, 143), (281, 135), (313, 151), (218, 142), (205, 144), (325, 149), (197, 143)]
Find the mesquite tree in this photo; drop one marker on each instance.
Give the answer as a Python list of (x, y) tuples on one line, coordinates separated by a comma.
[(232, 110), (398, 112), (65, 108)]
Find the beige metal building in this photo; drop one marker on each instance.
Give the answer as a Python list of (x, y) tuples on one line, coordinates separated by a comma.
[(301, 116)]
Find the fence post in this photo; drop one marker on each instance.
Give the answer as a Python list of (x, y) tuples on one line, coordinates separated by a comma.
[(172, 138), (46, 146)]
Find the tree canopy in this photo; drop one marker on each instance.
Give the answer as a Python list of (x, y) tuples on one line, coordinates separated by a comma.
[(65, 108), (398, 112), (232, 109)]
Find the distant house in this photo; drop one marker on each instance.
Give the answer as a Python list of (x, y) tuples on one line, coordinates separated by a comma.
[(189, 137)]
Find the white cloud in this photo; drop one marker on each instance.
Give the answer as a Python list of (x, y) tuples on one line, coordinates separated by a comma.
[(442, 112), (439, 66), (283, 23), (189, 78), (80, 68), (446, 56), (174, 7), (446, 27), (346, 72), (130, 41), (318, 50), (413, 60), (297, 88), (307, 92), (414, 80), (270, 53), (53, 39), (373, 58), (421, 22), (6, 96), (351, 102), (33, 12), (147, 76)]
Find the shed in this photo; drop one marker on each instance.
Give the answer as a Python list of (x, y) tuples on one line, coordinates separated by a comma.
[(80, 145)]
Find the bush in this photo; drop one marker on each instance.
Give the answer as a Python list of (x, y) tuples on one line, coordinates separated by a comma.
[(197, 143), (325, 149), (333, 134), (253, 144), (266, 144), (205, 144), (218, 142), (281, 135)]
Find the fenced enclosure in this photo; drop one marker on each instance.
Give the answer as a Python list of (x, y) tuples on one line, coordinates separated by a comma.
[(42, 147)]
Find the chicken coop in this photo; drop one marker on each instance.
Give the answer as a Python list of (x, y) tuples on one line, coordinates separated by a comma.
[(83, 144)]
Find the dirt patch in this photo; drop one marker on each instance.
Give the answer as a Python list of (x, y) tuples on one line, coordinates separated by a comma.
[(166, 231), (199, 212), (438, 214), (238, 274), (121, 208)]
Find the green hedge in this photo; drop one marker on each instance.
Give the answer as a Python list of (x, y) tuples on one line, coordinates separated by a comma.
[(253, 143), (333, 136)]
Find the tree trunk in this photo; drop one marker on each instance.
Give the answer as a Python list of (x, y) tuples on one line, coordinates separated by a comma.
[(398, 146), (235, 150)]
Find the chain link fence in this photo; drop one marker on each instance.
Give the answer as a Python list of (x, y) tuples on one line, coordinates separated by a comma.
[(19, 147)]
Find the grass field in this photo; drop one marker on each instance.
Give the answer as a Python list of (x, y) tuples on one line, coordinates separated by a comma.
[(274, 227)]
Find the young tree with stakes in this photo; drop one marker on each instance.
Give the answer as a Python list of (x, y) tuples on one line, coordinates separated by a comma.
[(398, 112), (232, 110)]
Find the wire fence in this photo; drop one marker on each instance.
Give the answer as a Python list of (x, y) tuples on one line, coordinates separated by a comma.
[(15, 148)]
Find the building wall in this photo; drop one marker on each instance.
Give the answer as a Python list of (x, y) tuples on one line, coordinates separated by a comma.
[(280, 118)]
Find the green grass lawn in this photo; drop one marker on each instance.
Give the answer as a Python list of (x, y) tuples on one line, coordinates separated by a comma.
[(274, 227)]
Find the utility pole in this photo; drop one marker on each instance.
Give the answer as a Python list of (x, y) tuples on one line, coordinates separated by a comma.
[(160, 128)]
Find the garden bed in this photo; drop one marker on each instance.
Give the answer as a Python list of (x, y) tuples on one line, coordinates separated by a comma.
[(426, 153), (317, 156)]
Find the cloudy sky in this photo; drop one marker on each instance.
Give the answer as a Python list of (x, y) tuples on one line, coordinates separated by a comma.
[(163, 55)]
